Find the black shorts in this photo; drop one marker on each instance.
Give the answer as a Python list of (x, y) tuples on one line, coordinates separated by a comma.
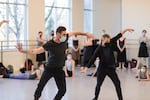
[(69, 73)]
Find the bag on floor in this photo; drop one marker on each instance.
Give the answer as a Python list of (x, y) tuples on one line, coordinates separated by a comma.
[(3, 69), (10, 69), (133, 63)]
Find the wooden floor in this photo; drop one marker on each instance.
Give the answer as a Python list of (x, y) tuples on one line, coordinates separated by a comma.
[(79, 88)]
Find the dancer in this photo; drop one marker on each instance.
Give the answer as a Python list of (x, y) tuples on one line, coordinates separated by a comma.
[(76, 50), (36, 74), (54, 68), (87, 52), (121, 44), (143, 50), (40, 58), (143, 74), (69, 66), (107, 63)]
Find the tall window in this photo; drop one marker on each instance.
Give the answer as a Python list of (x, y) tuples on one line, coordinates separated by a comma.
[(16, 29), (88, 16), (57, 12)]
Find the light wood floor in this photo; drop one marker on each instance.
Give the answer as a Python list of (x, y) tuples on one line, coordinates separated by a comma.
[(79, 88)]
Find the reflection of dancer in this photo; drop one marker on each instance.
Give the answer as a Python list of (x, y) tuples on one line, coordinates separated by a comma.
[(143, 50), (107, 63), (121, 44), (54, 67)]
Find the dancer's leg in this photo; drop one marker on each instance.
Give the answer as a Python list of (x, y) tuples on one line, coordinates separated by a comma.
[(59, 77), (44, 79), (114, 77)]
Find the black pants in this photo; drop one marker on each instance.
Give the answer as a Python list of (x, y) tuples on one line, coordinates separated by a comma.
[(60, 80), (69, 73), (111, 72)]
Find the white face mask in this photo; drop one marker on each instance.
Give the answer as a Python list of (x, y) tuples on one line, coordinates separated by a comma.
[(69, 57), (63, 39), (143, 70)]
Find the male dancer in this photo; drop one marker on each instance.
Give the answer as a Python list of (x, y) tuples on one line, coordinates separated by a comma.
[(107, 63), (54, 68)]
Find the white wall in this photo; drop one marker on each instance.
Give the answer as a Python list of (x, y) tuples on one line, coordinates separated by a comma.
[(36, 15), (107, 15), (135, 13)]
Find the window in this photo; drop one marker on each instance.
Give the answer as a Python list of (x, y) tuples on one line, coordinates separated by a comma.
[(57, 12), (88, 16), (16, 29)]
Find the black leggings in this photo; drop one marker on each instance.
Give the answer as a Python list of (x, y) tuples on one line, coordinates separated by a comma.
[(60, 80), (111, 72)]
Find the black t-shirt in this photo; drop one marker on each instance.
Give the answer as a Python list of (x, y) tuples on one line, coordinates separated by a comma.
[(57, 54), (105, 53)]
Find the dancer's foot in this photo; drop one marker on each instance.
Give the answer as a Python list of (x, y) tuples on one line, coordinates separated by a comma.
[(36, 98), (94, 99)]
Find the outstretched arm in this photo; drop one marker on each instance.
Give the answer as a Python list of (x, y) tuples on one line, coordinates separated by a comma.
[(32, 51), (3, 21), (89, 35), (95, 55), (122, 33)]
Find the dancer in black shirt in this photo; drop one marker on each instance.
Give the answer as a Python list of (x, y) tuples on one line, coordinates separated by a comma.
[(56, 60), (107, 63)]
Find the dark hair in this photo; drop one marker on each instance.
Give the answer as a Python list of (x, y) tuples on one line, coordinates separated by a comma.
[(106, 36), (60, 29), (40, 32), (75, 35), (145, 31)]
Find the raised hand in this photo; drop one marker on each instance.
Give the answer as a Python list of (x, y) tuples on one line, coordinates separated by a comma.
[(5, 21), (127, 30), (19, 46)]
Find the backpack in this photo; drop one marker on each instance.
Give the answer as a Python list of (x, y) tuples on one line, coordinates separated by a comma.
[(3, 69)]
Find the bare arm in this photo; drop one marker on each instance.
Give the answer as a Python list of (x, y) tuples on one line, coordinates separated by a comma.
[(3, 21), (127, 30), (124, 45), (114, 39), (73, 67), (118, 45), (32, 51), (65, 69), (81, 33)]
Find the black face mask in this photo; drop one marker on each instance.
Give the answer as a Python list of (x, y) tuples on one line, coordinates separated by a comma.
[(52, 34), (107, 44)]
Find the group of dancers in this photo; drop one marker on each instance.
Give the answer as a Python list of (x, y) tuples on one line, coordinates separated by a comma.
[(57, 47)]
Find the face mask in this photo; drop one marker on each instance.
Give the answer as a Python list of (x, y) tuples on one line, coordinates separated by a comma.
[(69, 57), (63, 39), (52, 34), (106, 44), (143, 70)]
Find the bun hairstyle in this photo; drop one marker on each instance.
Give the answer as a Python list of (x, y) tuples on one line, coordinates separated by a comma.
[(40, 32), (144, 31), (106, 36)]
